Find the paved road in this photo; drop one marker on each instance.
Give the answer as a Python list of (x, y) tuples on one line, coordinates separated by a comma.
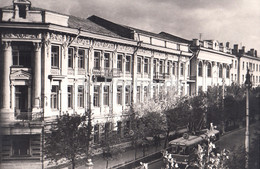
[(228, 141)]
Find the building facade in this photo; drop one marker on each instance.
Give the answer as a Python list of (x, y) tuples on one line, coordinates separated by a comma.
[(54, 64)]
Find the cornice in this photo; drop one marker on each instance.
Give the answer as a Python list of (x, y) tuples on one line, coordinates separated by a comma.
[(62, 29), (214, 51)]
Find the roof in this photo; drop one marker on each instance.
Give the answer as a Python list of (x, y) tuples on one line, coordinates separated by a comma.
[(174, 38), (88, 25), (186, 142)]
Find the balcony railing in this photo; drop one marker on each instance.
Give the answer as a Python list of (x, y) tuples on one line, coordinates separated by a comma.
[(107, 73), (23, 115), (160, 76)]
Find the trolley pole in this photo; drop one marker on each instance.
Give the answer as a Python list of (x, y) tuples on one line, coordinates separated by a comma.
[(248, 85)]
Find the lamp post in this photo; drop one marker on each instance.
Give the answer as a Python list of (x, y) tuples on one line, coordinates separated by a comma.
[(248, 84)]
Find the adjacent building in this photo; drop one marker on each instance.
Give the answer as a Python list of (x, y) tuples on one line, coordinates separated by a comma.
[(54, 64)]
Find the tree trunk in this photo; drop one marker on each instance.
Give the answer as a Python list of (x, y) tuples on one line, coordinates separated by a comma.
[(107, 164), (73, 164), (166, 138)]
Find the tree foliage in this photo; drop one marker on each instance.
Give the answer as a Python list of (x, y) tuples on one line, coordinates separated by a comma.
[(67, 139)]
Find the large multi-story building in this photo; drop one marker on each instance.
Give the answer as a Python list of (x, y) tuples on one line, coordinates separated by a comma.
[(54, 64)]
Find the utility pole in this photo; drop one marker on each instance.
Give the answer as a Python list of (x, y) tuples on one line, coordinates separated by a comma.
[(248, 84)]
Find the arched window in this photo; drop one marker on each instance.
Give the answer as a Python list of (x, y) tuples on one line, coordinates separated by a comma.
[(209, 70), (220, 71), (200, 69), (227, 72)]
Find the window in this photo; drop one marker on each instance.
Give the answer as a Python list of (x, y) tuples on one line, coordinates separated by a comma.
[(200, 69), (22, 11), (168, 68), (54, 96), (119, 61), (54, 56), (96, 96), (182, 69), (21, 98), (128, 64), (220, 71), (97, 60), (127, 95), (139, 65), (209, 70), (80, 96), (81, 58), (243, 65), (145, 93), (256, 79), (138, 94), (227, 72), (106, 96), (235, 77), (256, 67), (119, 95), (161, 67), (235, 64), (232, 77), (21, 56), (173, 68), (21, 146), (154, 66), (146, 65), (106, 60), (70, 96), (70, 57)]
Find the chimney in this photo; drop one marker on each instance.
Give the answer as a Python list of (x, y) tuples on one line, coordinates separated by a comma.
[(235, 50), (252, 52), (242, 51), (227, 44), (196, 42)]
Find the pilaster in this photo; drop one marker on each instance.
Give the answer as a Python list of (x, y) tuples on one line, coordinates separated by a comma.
[(36, 86), (5, 81)]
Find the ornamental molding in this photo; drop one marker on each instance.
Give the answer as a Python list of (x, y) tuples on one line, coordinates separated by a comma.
[(20, 75), (99, 44), (6, 45), (56, 37), (37, 46), (82, 41), (20, 35), (146, 52), (159, 54), (125, 48)]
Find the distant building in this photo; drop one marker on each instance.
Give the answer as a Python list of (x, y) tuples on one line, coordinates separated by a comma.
[(54, 64)]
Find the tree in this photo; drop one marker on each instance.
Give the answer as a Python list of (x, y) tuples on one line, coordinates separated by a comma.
[(67, 139), (110, 147)]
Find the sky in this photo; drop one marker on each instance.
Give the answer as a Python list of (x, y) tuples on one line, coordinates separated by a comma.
[(234, 21)]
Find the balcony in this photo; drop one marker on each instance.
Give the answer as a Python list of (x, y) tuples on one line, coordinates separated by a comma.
[(107, 73), (160, 77)]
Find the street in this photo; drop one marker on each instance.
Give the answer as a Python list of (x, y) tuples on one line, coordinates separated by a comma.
[(227, 141)]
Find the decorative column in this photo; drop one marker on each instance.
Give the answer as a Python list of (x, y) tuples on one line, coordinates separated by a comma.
[(36, 86), (5, 81)]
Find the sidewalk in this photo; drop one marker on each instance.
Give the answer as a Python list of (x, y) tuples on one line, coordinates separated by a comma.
[(100, 163)]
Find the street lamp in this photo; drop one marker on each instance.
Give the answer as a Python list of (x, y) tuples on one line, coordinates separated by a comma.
[(248, 85)]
